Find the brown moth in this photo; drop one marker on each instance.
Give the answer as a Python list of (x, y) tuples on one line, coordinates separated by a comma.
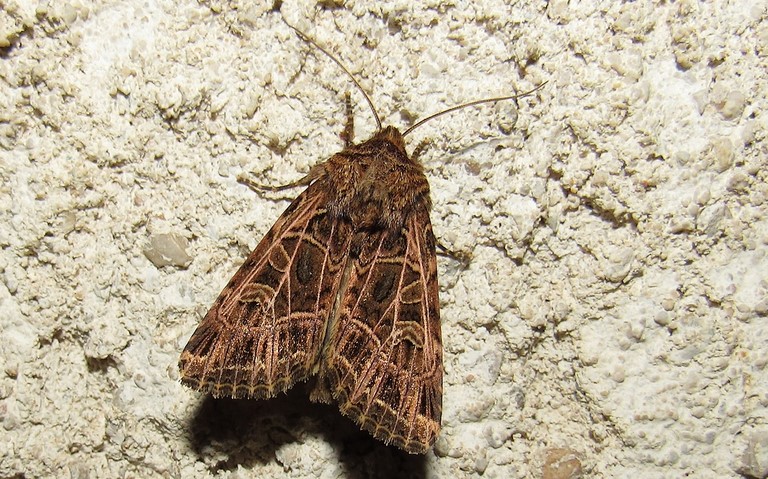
[(342, 290)]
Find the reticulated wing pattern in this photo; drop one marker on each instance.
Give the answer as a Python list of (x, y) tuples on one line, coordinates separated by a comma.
[(383, 359), (266, 329)]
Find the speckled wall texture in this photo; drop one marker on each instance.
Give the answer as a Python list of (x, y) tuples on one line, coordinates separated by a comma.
[(610, 322)]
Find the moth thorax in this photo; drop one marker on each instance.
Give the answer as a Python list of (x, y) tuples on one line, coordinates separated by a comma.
[(375, 214)]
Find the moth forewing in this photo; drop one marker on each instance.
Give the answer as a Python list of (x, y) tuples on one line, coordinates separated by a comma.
[(254, 341)]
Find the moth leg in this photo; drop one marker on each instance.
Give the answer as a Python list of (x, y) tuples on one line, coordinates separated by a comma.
[(463, 257), (420, 149), (348, 135), (313, 174)]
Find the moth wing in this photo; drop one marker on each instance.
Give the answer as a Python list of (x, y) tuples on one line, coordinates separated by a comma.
[(265, 331), (383, 360)]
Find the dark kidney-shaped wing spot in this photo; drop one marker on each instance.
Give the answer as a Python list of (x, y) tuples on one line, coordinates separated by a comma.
[(305, 266), (385, 282)]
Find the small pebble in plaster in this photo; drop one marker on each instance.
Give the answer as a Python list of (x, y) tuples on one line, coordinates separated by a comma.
[(561, 463), (733, 106), (168, 249), (754, 460), (619, 264)]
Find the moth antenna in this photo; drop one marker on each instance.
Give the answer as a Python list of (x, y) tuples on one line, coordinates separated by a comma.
[(472, 103), (307, 39)]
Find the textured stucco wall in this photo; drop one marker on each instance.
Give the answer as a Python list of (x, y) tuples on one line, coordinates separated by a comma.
[(611, 321)]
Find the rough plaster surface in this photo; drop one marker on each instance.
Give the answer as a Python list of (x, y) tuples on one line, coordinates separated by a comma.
[(611, 321)]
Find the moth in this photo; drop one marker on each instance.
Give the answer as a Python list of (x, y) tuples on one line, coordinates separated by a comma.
[(342, 291)]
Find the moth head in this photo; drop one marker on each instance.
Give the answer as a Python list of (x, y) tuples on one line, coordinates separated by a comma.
[(393, 136)]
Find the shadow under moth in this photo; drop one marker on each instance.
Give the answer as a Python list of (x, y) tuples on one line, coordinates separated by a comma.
[(342, 291)]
